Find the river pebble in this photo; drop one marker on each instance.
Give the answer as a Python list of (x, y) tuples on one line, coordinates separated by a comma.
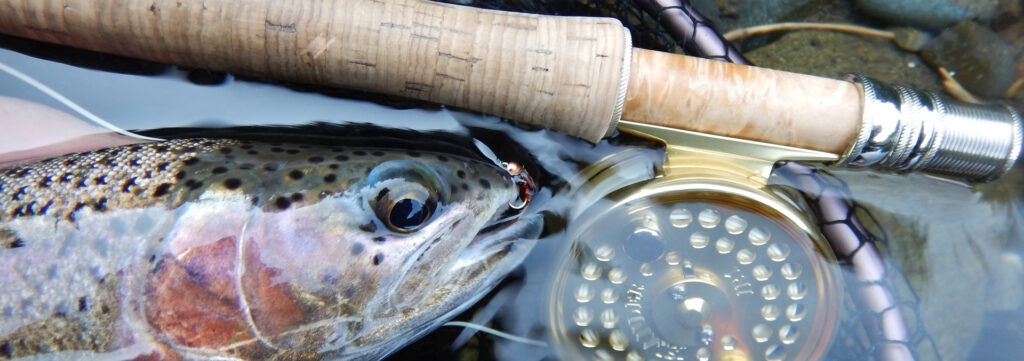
[(982, 62), (928, 14)]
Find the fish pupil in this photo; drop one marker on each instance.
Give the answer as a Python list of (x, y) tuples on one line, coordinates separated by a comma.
[(408, 214)]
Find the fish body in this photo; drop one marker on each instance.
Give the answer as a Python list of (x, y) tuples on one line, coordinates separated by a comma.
[(231, 249)]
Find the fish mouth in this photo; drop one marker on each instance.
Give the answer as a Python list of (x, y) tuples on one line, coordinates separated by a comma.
[(502, 238)]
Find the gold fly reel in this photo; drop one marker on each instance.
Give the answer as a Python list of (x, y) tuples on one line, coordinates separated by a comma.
[(703, 263)]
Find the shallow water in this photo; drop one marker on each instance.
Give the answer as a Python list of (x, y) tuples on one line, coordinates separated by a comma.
[(959, 248)]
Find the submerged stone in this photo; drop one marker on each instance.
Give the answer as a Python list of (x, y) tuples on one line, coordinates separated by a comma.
[(928, 14), (982, 62)]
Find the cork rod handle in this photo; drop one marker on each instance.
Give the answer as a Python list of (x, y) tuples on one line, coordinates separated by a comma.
[(743, 101), (546, 70), (563, 73)]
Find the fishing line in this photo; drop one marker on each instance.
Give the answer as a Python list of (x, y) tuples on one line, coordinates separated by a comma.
[(70, 104), (496, 333)]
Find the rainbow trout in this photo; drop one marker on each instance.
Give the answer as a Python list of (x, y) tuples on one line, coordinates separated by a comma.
[(232, 249)]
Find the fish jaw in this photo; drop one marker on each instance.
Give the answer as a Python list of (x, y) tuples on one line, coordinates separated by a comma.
[(480, 266)]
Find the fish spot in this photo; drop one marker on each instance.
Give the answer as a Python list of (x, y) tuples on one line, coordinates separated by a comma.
[(341, 158), (83, 305), (45, 208), (413, 154), (246, 166), (359, 153), (191, 161), (160, 148), (357, 248), (65, 178), (15, 243), (270, 167), (127, 185), (296, 197), (465, 186), (368, 227), (179, 175), (316, 159), (192, 184), (21, 191), (460, 173), (232, 183), (282, 203), (379, 239), (330, 277), (100, 205), (378, 259), (334, 166), (330, 178), (378, 154), (484, 183), (295, 174), (292, 151), (45, 182), (246, 146), (442, 158), (101, 179), (161, 190), (220, 170), (252, 152), (226, 151)]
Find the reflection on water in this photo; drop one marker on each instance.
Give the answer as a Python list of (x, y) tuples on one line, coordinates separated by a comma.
[(959, 248)]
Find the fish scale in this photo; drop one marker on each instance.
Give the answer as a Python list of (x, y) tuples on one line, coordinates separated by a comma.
[(241, 248)]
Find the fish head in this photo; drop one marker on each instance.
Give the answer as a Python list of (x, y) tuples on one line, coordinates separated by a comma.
[(395, 243)]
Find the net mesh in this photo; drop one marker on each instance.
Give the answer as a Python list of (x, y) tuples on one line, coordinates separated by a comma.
[(864, 332)]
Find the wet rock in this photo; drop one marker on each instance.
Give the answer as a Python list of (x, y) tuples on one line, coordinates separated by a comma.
[(929, 14), (834, 54), (745, 13), (983, 63)]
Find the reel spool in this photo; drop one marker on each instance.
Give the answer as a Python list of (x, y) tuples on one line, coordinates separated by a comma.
[(703, 263)]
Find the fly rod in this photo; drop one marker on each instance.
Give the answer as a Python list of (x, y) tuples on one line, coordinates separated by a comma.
[(578, 75)]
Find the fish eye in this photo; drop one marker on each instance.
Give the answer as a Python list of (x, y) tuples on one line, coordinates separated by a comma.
[(404, 210), (405, 194)]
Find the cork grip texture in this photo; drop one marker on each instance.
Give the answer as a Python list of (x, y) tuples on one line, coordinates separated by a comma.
[(742, 101), (557, 72)]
